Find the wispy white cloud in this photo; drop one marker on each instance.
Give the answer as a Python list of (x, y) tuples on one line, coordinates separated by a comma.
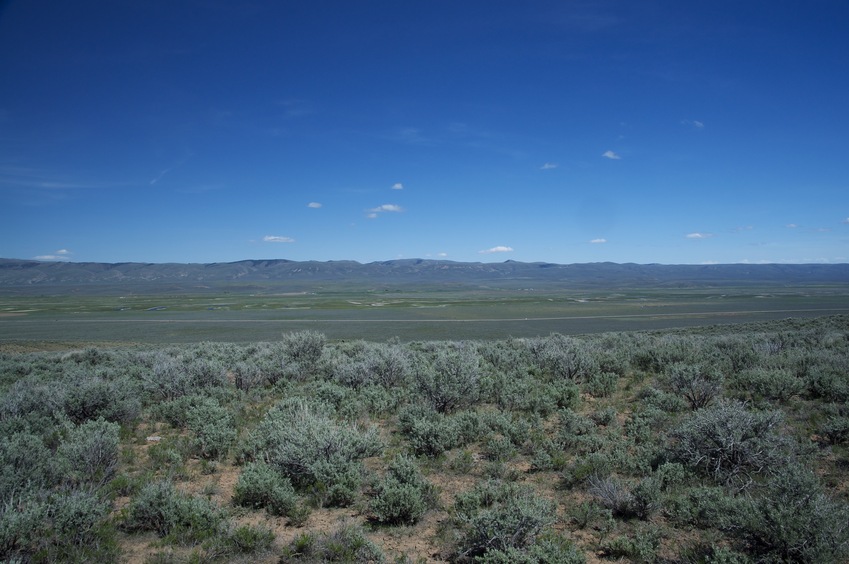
[(50, 184), (277, 239), (390, 208), (314, 205), (611, 155), (598, 241), (387, 208), (61, 254), (24, 177), (397, 186), (694, 123), (791, 225), (549, 166), (846, 221), (165, 171), (498, 249), (160, 175), (699, 235), (759, 261)]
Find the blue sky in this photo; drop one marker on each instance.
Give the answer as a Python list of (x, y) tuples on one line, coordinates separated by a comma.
[(561, 131)]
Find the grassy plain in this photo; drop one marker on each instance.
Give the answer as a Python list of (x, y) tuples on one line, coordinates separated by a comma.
[(410, 313)]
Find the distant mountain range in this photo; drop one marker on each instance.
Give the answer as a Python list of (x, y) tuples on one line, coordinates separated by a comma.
[(26, 276)]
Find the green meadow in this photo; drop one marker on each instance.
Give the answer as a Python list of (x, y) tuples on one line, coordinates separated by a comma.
[(411, 314)]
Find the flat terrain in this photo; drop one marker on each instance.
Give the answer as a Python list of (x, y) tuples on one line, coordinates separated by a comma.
[(412, 314)]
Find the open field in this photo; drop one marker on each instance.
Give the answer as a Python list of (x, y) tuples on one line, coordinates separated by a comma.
[(414, 314)]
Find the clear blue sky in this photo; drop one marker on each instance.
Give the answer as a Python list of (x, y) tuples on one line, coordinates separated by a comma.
[(486, 130)]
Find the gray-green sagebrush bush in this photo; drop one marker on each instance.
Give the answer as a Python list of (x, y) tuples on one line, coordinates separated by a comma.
[(260, 364), (347, 543), (213, 428), (548, 547), (176, 411), (25, 463), (835, 427), (601, 384), (793, 520), (731, 444), (451, 379), (57, 525), (89, 453), (244, 539), (247, 376), (697, 385), (52, 501), (778, 384), (93, 397), (428, 432), (499, 517), (372, 364), (86, 456), (170, 377), (561, 357), (641, 500), (403, 495), (737, 353), (29, 405), (159, 507), (302, 351), (189, 520), (303, 441), (166, 379), (263, 486), (517, 390), (655, 353), (641, 546)]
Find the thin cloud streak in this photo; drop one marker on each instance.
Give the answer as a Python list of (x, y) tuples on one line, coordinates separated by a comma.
[(497, 249), (61, 254), (694, 123), (160, 175), (385, 208)]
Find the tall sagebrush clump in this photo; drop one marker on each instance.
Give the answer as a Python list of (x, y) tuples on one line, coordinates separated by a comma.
[(303, 441)]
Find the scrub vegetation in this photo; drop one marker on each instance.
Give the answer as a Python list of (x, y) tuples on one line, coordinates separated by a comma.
[(717, 444)]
